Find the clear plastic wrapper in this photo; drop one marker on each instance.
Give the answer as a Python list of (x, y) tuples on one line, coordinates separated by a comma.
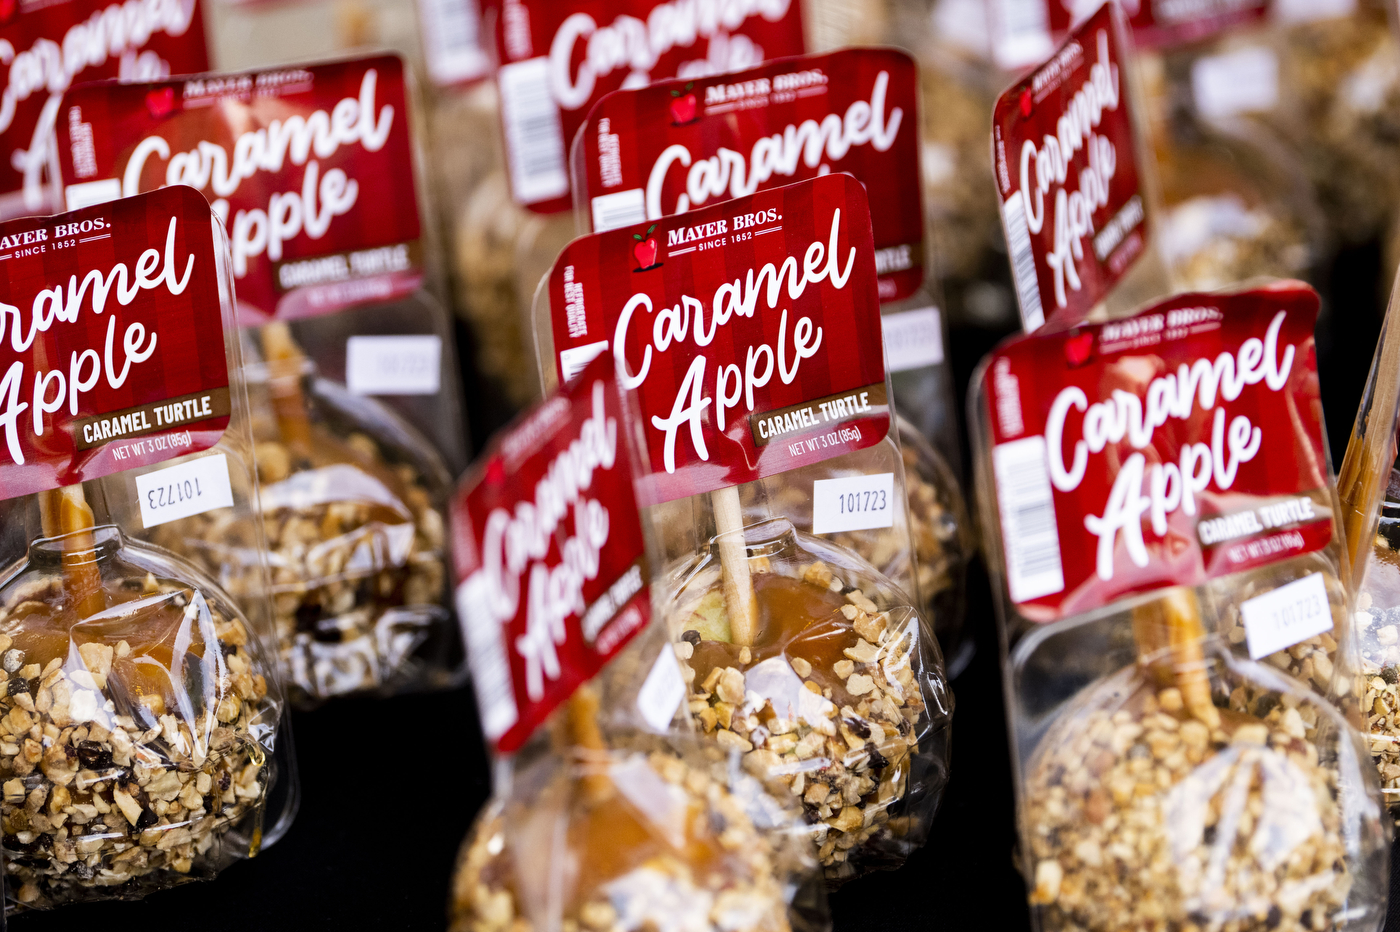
[(730, 503), (355, 382), (937, 524), (837, 691), (1368, 488), (1236, 200), (603, 816), (142, 739), (1181, 683)]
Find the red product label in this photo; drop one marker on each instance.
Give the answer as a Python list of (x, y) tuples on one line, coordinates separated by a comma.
[(1066, 167), (558, 59), (111, 341), (1175, 446), (311, 170), (750, 331), (1026, 35), (552, 572), (52, 46), (682, 144)]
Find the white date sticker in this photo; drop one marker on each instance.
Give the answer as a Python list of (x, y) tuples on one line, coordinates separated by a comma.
[(410, 364), (662, 692), (181, 491), (1282, 617), (853, 503)]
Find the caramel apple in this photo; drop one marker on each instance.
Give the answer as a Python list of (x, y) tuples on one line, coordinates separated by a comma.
[(132, 707), (836, 694), (1156, 801)]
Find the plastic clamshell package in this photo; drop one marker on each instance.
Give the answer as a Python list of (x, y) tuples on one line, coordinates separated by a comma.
[(1181, 697), (141, 740), (602, 812)]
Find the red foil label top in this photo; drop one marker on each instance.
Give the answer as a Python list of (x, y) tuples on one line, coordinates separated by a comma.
[(1028, 35), (1066, 168), (310, 168), (750, 332), (111, 341), (679, 145), (50, 47), (1172, 447), (552, 572), (558, 59)]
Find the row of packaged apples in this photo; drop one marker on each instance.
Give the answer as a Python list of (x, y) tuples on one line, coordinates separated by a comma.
[(358, 587)]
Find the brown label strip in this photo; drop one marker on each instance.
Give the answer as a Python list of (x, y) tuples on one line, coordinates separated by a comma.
[(819, 413), (170, 414)]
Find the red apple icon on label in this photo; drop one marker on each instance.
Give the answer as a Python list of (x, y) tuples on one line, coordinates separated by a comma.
[(683, 106), (645, 250), (160, 103), (1078, 348)]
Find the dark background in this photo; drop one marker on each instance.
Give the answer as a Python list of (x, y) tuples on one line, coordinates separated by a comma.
[(389, 788)]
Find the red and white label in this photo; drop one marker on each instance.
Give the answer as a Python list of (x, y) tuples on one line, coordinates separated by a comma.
[(310, 168), (750, 332), (1178, 445), (558, 59), (111, 341), (45, 48), (1024, 32), (551, 566), (678, 145), (1066, 168)]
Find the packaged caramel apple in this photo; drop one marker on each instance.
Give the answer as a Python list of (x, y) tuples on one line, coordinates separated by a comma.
[(53, 46), (1236, 200), (748, 334), (601, 817), (1181, 674), (1076, 200), (1370, 492), (554, 61), (675, 146), (352, 370), (141, 743)]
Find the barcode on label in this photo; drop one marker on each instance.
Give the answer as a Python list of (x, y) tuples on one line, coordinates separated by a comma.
[(534, 135), (1018, 241), (573, 361), (662, 692), (184, 490), (913, 339), (486, 654), (619, 209), (1022, 34), (1030, 537), (1282, 617), (1243, 80), (452, 40)]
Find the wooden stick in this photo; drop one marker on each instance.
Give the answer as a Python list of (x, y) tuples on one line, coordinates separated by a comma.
[(284, 364), (65, 513), (1169, 634), (739, 601), (1370, 457), (583, 732)]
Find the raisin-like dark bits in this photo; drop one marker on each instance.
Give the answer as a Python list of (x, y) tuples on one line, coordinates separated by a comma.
[(146, 820), (94, 756), (17, 685), (877, 760), (858, 727), (1391, 675), (1274, 918), (692, 638), (1265, 704), (224, 780)]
